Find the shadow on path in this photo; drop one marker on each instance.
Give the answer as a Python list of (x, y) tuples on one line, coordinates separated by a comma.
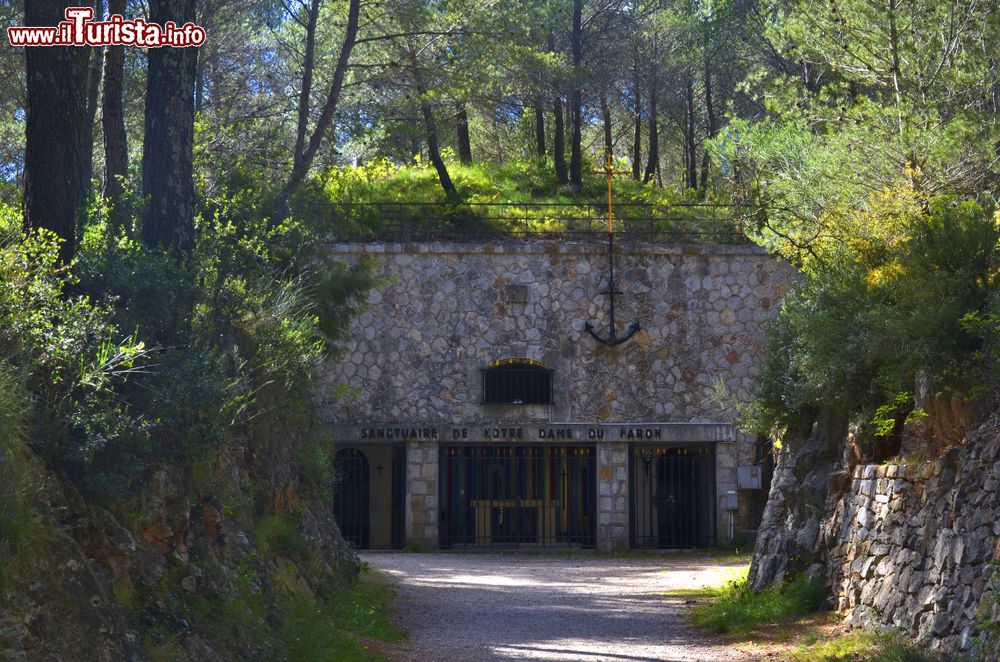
[(519, 607)]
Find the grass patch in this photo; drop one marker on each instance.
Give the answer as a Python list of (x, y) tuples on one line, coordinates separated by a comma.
[(789, 618), (514, 196), (734, 608), (344, 629), (860, 645)]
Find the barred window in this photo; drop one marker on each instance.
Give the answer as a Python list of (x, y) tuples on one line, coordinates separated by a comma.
[(517, 382)]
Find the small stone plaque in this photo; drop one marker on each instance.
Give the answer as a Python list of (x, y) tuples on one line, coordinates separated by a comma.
[(516, 294)]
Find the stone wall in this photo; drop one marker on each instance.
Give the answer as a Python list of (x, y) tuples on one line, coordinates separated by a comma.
[(914, 546), (447, 310), (612, 495), (421, 494), (911, 547)]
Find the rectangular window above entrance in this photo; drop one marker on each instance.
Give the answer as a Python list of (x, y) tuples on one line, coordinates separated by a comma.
[(517, 383)]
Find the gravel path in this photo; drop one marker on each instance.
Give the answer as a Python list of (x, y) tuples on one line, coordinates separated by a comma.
[(468, 607)]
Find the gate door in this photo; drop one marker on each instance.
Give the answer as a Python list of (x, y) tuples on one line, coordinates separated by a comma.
[(518, 496), (351, 496), (672, 497)]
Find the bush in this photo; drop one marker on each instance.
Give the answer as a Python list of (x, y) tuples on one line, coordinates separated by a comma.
[(738, 609), (868, 316)]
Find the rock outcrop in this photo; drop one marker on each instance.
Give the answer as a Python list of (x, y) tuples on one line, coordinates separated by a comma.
[(125, 581), (805, 474), (912, 547)]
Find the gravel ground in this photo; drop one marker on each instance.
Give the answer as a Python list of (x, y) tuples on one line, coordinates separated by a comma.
[(469, 607)]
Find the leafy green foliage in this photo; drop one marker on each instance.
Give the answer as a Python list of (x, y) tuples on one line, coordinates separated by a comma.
[(735, 608), (871, 315), (514, 196), (862, 645)]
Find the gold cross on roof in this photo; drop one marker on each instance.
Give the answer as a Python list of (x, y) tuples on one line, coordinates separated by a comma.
[(609, 172)]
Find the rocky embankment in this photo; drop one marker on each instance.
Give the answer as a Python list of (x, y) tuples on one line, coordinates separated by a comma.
[(196, 566), (907, 546)]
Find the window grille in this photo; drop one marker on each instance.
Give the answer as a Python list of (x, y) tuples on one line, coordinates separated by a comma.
[(517, 382)]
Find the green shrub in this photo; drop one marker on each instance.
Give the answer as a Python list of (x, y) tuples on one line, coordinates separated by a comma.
[(277, 535), (736, 608), (20, 528), (914, 296)]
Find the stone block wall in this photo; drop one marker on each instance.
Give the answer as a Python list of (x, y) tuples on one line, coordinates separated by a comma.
[(422, 493), (446, 311), (914, 546), (612, 496)]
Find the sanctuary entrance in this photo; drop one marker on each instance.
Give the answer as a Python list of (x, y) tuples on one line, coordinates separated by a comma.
[(672, 496), (518, 496)]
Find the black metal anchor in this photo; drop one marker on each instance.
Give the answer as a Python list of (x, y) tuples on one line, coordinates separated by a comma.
[(612, 340)]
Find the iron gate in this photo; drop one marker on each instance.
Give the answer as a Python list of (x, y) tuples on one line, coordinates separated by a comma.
[(351, 496), (672, 497), (518, 496)]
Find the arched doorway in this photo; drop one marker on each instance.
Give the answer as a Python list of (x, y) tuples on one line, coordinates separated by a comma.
[(351, 496)]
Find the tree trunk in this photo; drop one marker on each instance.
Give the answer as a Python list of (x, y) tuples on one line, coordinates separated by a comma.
[(558, 143), (55, 158), (168, 141), (462, 129), (691, 167), (609, 147), (712, 129), (113, 121), (433, 148), (300, 169), (539, 129), (308, 63), (93, 88), (637, 134), (653, 158), (576, 98)]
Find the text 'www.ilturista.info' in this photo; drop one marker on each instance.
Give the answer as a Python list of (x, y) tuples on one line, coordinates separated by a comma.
[(79, 30)]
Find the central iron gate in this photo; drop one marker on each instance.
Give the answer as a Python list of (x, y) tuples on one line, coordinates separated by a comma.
[(672, 497), (518, 496)]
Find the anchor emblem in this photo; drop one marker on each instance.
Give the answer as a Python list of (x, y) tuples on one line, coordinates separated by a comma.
[(612, 340)]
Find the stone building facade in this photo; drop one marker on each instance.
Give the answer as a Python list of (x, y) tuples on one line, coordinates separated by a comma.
[(632, 446)]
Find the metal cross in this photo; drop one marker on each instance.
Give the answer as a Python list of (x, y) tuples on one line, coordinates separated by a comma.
[(612, 340)]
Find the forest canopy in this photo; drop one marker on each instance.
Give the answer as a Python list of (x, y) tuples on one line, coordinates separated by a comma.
[(857, 139)]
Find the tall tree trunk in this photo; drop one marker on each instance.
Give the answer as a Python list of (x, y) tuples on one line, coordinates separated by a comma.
[(609, 146), (576, 98), (462, 129), (199, 86), (93, 89), (308, 63), (430, 126), (301, 168), (653, 158), (539, 129), (691, 167), (113, 121), (894, 51), (169, 137), (712, 128), (637, 126), (55, 131), (558, 143)]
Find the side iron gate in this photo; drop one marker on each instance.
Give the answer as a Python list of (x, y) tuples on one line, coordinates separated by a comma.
[(351, 496), (518, 496), (672, 497)]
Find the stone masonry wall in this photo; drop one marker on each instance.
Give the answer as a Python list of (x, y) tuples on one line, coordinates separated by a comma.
[(612, 491), (447, 310), (914, 546), (421, 493)]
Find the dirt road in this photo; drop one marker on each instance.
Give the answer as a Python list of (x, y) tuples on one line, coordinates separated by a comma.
[(467, 607)]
